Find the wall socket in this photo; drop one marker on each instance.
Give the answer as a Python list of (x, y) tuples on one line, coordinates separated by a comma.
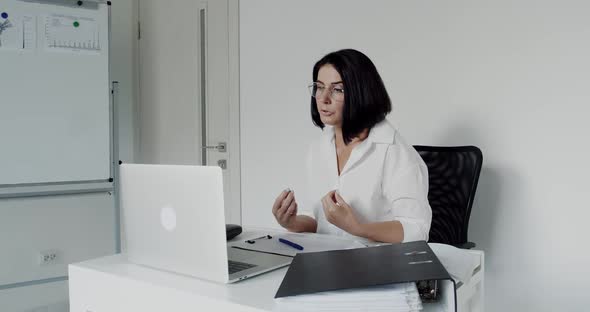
[(48, 257)]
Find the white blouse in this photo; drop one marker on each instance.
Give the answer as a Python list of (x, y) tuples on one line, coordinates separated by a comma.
[(384, 179)]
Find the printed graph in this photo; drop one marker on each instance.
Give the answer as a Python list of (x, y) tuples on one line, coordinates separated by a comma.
[(71, 33)]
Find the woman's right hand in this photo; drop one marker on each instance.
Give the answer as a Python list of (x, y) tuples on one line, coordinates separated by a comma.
[(285, 209)]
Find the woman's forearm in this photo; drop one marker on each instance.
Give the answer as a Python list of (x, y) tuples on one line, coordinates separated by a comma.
[(303, 224), (386, 232)]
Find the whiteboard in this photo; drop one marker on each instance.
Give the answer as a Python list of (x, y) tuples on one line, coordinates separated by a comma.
[(55, 117)]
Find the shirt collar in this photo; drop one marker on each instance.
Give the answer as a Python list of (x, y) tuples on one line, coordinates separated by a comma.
[(383, 133)]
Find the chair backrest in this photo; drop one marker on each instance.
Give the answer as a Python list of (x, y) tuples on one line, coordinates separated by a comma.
[(453, 173)]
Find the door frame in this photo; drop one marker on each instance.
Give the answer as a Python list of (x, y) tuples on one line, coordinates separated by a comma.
[(234, 109)]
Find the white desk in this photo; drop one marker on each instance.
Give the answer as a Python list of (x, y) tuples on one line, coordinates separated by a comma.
[(113, 284)]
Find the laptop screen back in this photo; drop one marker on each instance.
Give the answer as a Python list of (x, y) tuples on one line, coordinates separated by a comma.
[(173, 218)]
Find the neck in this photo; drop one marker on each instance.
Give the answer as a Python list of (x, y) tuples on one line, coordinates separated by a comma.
[(340, 140)]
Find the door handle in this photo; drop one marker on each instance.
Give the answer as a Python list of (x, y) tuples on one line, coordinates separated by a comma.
[(220, 147)]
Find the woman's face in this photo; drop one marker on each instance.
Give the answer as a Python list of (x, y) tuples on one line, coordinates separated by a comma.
[(330, 96)]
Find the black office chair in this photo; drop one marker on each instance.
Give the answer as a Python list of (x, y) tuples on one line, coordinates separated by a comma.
[(453, 173)]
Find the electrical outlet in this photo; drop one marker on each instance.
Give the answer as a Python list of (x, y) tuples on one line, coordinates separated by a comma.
[(48, 257)]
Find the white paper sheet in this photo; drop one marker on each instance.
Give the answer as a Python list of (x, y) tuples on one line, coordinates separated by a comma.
[(459, 263), (17, 32), (310, 242), (72, 34)]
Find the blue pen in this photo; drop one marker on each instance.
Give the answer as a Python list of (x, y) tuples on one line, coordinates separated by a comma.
[(290, 243)]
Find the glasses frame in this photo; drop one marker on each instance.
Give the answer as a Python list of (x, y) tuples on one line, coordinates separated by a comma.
[(335, 96)]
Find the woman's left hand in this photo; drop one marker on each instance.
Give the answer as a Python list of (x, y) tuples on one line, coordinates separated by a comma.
[(339, 213)]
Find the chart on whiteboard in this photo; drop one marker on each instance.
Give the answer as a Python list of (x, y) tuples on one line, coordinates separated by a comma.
[(72, 33), (17, 31)]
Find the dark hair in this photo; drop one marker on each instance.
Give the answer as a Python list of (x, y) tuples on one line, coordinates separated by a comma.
[(366, 101)]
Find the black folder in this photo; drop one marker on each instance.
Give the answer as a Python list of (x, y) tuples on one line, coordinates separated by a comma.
[(363, 267)]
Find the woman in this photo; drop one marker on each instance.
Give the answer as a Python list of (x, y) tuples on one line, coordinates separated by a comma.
[(364, 180)]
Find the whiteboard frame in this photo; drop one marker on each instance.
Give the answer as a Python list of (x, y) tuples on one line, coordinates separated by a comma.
[(81, 186)]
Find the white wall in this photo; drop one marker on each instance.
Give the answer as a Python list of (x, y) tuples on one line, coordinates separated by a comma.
[(79, 226), (47, 297), (510, 77)]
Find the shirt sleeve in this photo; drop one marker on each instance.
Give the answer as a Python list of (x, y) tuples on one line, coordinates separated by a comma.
[(306, 207), (405, 186)]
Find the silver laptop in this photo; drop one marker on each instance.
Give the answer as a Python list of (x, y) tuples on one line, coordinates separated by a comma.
[(174, 220)]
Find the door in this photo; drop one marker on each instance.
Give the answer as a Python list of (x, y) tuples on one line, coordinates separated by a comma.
[(185, 88)]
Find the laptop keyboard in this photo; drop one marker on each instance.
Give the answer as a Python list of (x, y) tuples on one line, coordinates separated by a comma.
[(235, 266)]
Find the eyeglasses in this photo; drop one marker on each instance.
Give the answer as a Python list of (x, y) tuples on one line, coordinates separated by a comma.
[(316, 90)]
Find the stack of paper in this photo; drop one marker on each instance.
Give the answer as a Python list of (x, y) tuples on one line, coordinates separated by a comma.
[(402, 297)]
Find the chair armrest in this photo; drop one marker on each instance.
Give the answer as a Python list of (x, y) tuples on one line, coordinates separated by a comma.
[(467, 245)]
